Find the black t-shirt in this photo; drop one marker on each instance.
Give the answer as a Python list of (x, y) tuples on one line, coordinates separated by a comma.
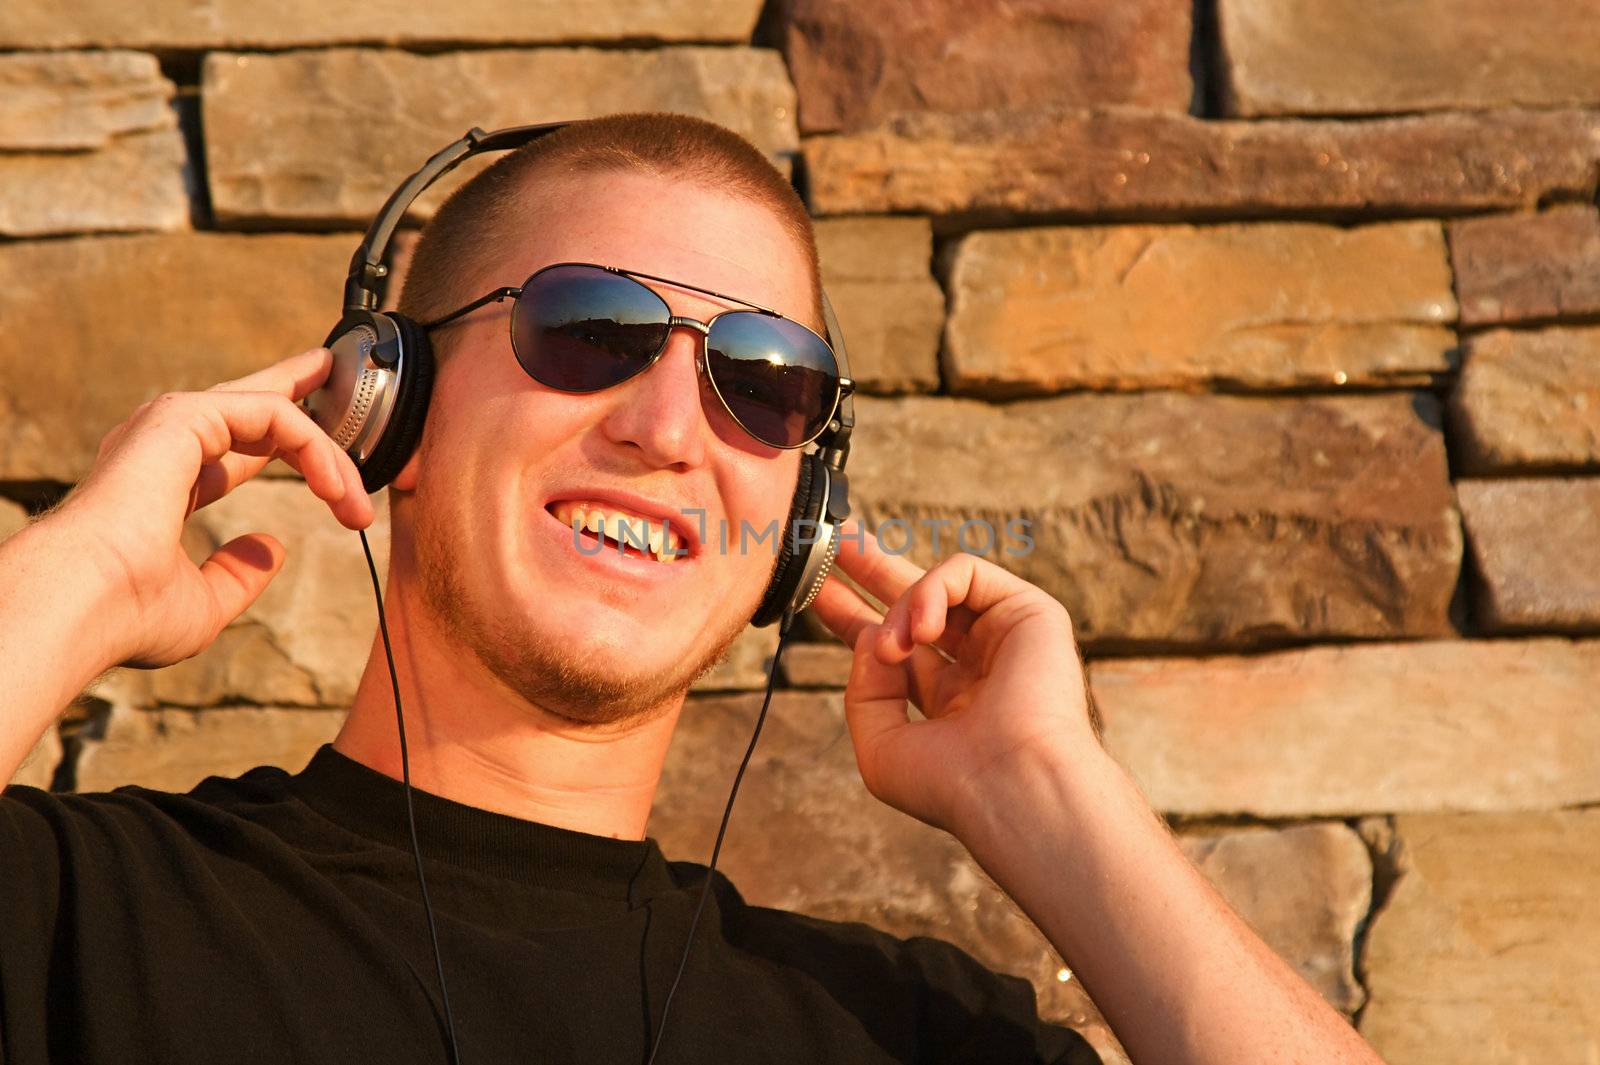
[(276, 918)]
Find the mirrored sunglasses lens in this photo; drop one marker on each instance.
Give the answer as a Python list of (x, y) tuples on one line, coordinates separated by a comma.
[(777, 377), (581, 328)]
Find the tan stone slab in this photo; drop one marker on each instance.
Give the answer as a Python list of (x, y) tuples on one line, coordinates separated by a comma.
[(245, 662), (1269, 305), (805, 835), (136, 182), (88, 142), (875, 249), (1305, 891), (1417, 727), (79, 100), (197, 24), (365, 118), (1528, 401), (1489, 948), (13, 516), (38, 769), (1007, 164), (1528, 267), (96, 326), (1351, 57), (746, 664), (1168, 520), (856, 62), (879, 277), (1536, 553), (173, 750), (816, 665), (305, 641)]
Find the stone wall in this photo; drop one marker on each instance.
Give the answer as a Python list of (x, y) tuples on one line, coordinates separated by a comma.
[(1278, 319)]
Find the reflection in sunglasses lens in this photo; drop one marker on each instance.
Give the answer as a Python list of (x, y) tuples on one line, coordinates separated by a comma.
[(777, 377), (581, 329)]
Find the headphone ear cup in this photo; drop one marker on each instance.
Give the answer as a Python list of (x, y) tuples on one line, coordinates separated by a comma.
[(400, 437), (804, 512)]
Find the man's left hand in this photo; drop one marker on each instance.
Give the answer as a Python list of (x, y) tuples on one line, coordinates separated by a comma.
[(987, 658)]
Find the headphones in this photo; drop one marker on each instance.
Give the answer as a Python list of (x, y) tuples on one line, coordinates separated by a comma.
[(375, 399)]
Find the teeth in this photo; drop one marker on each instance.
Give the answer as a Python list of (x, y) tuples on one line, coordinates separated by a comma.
[(635, 534), (627, 531), (623, 531)]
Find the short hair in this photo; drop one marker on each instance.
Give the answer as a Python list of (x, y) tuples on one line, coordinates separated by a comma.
[(479, 218)]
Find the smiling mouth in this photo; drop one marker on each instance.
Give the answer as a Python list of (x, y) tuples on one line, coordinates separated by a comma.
[(631, 535)]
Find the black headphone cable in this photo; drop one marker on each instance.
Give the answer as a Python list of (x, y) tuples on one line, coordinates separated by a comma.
[(727, 811), (411, 817), (416, 850)]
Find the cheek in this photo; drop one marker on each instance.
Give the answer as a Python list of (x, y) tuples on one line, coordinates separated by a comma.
[(489, 422), (761, 494)]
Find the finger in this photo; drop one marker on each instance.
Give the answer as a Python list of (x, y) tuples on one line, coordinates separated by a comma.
[(863, 559), (843, 610), (875, 699), (219, 478), (268, 423), (893, 753), (924, 616), (236, 574), (265, 449), (952, 601), (891, 578), (847, 614), (928, 676), (262, 424), (295, 377)]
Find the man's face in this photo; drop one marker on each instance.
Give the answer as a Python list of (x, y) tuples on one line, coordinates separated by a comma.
[(596, 637)]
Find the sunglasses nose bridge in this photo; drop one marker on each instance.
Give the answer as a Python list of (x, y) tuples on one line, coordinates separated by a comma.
[(692, 323), (703, 328)]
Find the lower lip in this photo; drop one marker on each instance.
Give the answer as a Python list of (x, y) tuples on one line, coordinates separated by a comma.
[(608, 560)]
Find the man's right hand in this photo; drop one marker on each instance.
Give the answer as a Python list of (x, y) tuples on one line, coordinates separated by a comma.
[(176, 454)]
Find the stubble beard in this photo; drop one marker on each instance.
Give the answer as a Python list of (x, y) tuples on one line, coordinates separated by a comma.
[(559, 678)]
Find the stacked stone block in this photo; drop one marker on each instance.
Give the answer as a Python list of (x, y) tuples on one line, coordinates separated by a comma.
[(1279, 321)]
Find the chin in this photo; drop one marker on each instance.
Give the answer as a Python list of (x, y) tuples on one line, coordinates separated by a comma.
[(595, 674), (580, 646), (591, 663)]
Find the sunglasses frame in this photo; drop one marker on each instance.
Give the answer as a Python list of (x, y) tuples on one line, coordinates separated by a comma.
[(843, 385)]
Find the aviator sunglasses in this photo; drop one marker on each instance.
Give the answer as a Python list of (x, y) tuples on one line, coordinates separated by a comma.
[(580, 327)]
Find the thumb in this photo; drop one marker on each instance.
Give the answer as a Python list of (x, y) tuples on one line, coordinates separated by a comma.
[(875, 701), (237, 573)]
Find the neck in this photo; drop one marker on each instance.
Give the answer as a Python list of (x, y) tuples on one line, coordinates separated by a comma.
[(473, 740)]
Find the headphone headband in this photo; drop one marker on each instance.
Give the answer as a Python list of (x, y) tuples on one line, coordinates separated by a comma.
[(367, 268)]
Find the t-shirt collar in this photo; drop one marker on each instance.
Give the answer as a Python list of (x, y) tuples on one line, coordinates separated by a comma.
[(372, 804)]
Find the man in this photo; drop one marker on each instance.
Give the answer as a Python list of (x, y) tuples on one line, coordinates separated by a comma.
[(276, 917)]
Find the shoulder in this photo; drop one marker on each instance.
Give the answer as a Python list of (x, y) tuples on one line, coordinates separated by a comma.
[(123, 851), (129, 820), (263, 784), (965, 1009)]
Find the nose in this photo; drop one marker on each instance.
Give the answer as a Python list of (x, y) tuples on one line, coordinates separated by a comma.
[(660, 412)]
